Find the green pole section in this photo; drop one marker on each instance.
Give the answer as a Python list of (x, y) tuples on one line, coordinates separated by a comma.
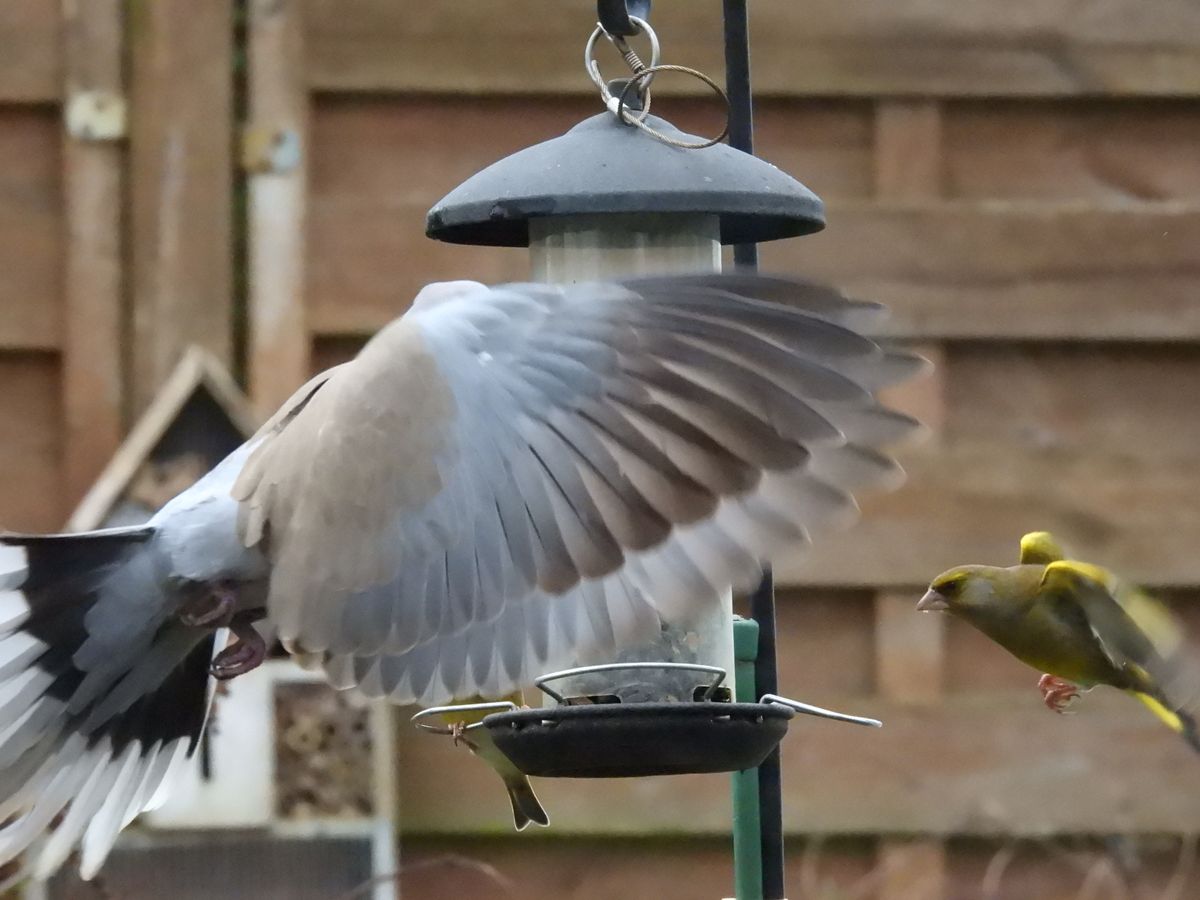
[(747, 855)]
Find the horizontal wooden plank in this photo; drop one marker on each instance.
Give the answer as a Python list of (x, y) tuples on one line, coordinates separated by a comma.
[(1013, 271), (1119, 151), (947, 271), (31, 226), (537, 865), (378, 165), (1159, 867), (30, 452), (30, 51), (974, 765), (1097, 444), (824, 47), (234, 864), (1058, 270)]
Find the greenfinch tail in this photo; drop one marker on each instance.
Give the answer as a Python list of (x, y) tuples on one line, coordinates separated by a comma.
[(525, 804), (1178, 720)]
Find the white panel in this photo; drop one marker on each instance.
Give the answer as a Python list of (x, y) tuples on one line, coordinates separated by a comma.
[(241, 792)]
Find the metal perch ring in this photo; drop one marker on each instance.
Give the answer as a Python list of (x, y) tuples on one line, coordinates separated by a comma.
[(645, 75), (642, 76), (494, 706)]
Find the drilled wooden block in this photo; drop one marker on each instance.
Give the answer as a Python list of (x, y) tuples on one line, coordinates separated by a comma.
[(323, 754)]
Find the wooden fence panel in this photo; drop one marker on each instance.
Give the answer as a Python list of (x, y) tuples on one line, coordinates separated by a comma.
[(977, 764), (1061, 270), (910, 650), (533, 866), (31, 226), (30, 51), (1109, 151), (1088, 442), (985, 759), (1017, 182), (31, 449), (823, 47)]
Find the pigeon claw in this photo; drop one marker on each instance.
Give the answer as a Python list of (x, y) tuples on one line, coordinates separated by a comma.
[(1057, 693), (246, 655), (214, 608)]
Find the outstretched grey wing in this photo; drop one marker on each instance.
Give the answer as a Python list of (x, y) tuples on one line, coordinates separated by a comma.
[(511, 478)]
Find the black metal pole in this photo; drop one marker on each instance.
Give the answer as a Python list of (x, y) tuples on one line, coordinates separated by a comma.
[(770, 784), (762, 602), (741, 107)]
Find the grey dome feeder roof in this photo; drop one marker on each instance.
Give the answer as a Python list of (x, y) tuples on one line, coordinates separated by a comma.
[(603, 166)]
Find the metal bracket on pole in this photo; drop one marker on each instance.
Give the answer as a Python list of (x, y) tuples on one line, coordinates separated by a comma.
[(616, 16), (821, 712)]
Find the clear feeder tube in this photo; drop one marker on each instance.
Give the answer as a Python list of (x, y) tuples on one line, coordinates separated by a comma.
[(568, 249)]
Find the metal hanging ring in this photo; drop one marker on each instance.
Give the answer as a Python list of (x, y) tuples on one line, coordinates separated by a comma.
[(622, 113), (631, 58)]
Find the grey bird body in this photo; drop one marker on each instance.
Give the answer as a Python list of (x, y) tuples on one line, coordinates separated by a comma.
[(197, 530), (505, 481)]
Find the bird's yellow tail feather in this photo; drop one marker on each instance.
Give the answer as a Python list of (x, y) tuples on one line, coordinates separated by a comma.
[(525, 804), (1177, 720)]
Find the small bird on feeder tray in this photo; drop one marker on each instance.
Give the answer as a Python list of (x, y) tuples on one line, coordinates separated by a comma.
[(1080, 625), (526, 807), (504, 481)]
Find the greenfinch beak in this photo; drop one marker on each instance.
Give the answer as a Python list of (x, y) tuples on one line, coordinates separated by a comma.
[(932, 602)]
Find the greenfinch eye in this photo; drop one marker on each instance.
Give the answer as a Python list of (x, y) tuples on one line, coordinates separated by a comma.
[(951, 586)]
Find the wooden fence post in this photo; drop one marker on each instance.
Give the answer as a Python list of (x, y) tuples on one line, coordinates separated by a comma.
[(181, 121), (94, 125), (275, 150)]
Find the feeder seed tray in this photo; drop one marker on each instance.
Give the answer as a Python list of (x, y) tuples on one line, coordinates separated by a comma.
[(625, 740)]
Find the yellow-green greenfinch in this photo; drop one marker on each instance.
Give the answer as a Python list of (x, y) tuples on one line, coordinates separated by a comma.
[(525, 805), (1076, 622)]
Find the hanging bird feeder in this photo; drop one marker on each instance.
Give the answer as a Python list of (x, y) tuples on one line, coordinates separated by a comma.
[(626, 193)]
